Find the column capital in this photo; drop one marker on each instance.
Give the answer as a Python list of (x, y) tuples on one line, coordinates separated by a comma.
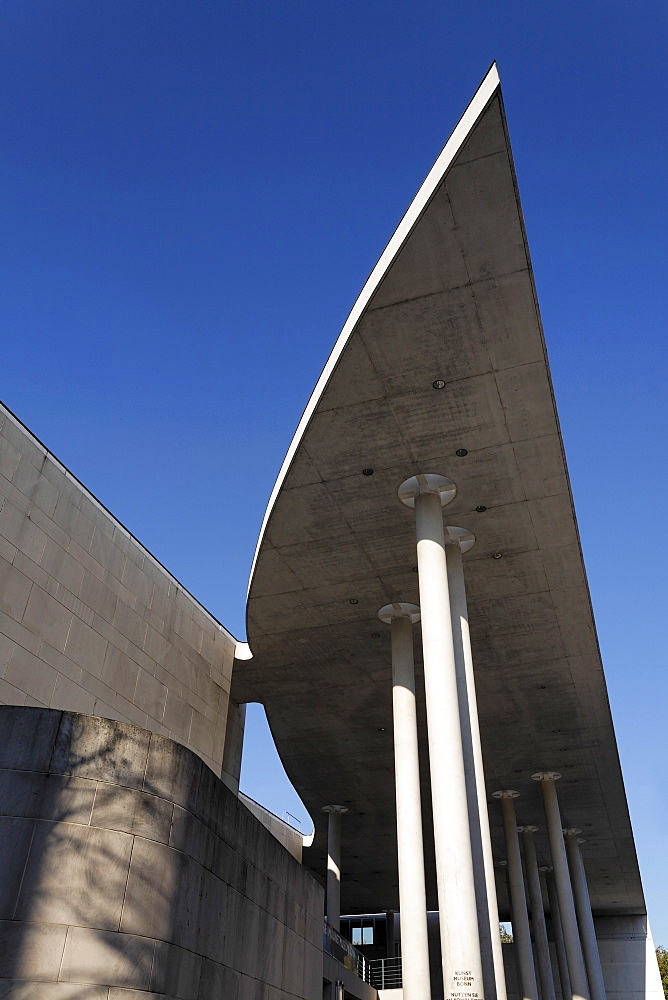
[(546, 776), (527, 829), (428, 482), (462, 537), (334, 809), (399, 610), (506, 793)]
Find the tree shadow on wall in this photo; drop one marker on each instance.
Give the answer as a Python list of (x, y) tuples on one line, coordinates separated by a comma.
[(95, 890)]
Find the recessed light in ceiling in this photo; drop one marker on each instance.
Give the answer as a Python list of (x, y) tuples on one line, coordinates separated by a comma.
[(353, 600), (438, 384), (461, 452), (367, 472), (375, 635), (497, 555), (481, 509), (381, 729)]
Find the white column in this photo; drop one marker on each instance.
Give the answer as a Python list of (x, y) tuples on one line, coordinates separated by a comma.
[(460, 941), (557, 932), (518, 901), (569, 923), (585, 918), (537, 914), (333, 901), (461, 540), (412, 895)]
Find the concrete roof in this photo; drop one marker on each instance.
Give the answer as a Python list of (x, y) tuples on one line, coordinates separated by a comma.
[(452, 298)]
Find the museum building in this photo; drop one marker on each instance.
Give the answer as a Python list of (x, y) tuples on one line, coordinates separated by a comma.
[(421, 636)]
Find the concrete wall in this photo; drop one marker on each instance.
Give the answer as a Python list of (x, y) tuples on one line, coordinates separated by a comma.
[(90, 621), (628, 958), (627, 955), (130, 871), (291, 839)]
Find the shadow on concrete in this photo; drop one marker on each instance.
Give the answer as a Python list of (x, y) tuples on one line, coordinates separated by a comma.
[(89, 874)]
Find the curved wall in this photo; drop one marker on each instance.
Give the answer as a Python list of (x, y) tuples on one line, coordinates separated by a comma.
[(129, 870), (90, 621)]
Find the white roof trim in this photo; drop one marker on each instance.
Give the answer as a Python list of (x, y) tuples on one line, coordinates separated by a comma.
[(466, 123)]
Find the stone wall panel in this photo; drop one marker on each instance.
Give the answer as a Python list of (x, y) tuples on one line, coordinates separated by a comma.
[(15, 839), (31, 951), (74, 874), (47, 796)]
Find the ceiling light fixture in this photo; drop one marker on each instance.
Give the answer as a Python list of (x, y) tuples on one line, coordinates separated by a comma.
[(353, 600), (461, 452), (497, 555), (367, 472), (438, 384), (481, 509), (375, 635)]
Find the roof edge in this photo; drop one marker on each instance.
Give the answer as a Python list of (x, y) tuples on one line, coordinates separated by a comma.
[(490, 85)]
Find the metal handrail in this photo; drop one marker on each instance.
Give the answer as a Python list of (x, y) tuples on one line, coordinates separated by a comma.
[(342, 950), (385, 973)]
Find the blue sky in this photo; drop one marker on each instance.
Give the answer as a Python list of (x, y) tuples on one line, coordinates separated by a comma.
[(193, 194)]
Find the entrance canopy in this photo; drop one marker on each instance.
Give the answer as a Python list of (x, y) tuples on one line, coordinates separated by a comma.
[(441, 368)]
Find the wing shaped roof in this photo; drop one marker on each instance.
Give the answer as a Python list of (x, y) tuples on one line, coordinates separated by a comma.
[(453, 299)]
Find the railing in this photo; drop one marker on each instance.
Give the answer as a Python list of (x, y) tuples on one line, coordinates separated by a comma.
[(336, 945), (384, 973), (381, 973), (292, 821)]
